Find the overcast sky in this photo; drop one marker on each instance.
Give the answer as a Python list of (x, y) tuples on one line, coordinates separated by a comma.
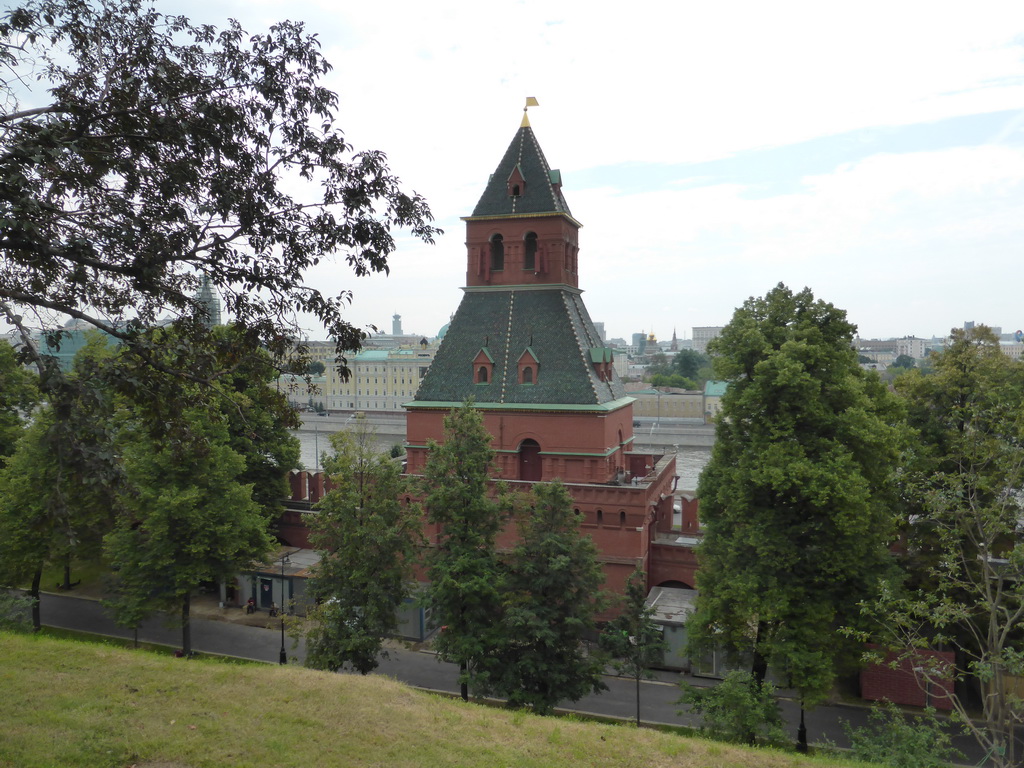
[(873, 152)]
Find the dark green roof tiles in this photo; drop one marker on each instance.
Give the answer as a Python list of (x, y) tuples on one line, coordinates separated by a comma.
[(551, 323), (541, 189)]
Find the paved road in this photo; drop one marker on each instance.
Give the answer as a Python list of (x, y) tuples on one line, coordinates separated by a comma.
[(424, 670)]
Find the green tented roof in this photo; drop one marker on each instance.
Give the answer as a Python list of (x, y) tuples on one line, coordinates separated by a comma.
[(552, 322), (542, 192)]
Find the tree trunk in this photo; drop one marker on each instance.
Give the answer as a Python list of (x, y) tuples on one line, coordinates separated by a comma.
[(186, 627), (67, 573), (801, 732), (464, 687), (37, 578)]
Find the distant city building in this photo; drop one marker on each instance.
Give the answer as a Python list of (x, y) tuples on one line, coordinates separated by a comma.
[(885, 351), (639, 344), (702, 335), (379, 380), (396, 325)]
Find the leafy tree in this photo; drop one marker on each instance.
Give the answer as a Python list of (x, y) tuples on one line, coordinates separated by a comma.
[(633, 639), (965, 559), (793, 500), (57, 497), (259, 420), (658, 365), (739, 709), (316, 368), (464, 570), (368, 540), (550, 595), (164, 151), (894, 739), (18, 395), (162, 157), (904, 361), (672, 380), (688, 363), (188, 519)]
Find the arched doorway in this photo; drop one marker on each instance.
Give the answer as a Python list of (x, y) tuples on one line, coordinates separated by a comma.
[(529, 460)]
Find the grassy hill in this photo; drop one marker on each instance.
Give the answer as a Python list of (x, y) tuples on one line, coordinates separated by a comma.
[(66, 703)]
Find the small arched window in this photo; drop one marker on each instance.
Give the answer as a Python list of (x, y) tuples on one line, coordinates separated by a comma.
[(622, 517), (515, 190), (600, 516), (527, 375), (497, 253), (481, 375), (530, 251)]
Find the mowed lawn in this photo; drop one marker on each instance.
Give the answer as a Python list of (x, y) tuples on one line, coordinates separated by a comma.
[(67, 703)]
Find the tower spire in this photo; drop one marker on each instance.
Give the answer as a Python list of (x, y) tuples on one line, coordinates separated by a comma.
[(530, 102)]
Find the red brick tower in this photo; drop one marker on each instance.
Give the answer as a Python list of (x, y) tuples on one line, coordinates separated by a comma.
[(523, 347)]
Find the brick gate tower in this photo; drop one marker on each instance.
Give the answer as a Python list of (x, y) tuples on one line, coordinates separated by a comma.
[(522, 346)]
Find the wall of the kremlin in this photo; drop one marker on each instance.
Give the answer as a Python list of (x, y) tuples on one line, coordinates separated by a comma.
[(880, 682), (557, 434)]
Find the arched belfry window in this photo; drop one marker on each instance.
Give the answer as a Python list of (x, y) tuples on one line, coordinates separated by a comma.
[(497, 253), (530, 251), (481, 375)]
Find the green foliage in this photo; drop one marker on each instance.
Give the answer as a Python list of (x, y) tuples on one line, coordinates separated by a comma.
[(15, 612), (367, 538), (464, 570), (738, 709), (672, 380), (52, 507), (161, 151), (316, 368), (18, 395), (964, 563), (550, 595), (633, 639), (904, 361), (689, 363), (795, 499), (895, 740), (187, 520)]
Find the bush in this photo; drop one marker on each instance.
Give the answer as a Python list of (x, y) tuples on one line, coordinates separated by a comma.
[(15, 612), (893, 739), (737, 710)]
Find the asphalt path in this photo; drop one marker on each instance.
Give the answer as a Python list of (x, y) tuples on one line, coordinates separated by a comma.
[(424, 670)]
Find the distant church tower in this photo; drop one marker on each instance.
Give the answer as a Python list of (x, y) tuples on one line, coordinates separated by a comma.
[(675, 342), (210, 301)]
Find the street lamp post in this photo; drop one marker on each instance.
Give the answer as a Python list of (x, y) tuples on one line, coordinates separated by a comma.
[(283, 659)]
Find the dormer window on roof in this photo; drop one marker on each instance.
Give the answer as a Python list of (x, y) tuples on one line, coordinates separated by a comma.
[(483, 367), (529, 367), (516, 183)]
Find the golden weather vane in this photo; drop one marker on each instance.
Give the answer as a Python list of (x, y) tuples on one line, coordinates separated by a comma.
[(530, 102)]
